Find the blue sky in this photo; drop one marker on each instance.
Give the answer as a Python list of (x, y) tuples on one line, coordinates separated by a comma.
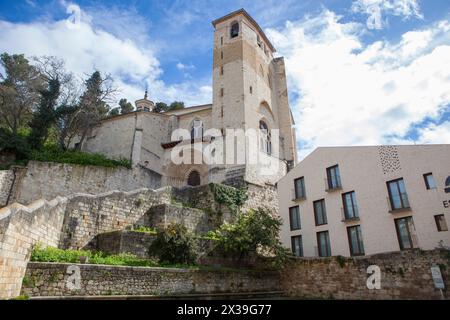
[(359, 71)]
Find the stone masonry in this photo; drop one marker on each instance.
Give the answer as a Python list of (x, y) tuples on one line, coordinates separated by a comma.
[(49, 180), (50, 279), (6, 182), (404, 275)]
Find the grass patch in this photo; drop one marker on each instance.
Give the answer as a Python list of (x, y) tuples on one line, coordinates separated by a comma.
[(73, 256), (55, 154), (144, 229)]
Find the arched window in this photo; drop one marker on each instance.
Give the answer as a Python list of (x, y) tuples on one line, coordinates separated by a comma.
[(197, 129), (265, 138), (194, 179), (234, 32)]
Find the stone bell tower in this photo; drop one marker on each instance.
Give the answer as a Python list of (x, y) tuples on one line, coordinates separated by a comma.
[(249, 84)]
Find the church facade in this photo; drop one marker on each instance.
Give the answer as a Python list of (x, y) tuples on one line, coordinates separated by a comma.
[(249, 95)]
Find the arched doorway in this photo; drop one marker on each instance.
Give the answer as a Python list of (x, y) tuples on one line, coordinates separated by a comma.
[(194, 179)]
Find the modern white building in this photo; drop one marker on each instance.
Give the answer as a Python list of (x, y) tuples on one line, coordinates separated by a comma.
[(353, 201)]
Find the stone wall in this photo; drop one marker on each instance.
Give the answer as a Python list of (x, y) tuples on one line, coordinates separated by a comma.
[(259, 196), (50, 279), (137, 243), (67, 223), (195, 220), (203, 198), (87, 216), (404, 275), (20, 229), (49, 180), (6, 181)]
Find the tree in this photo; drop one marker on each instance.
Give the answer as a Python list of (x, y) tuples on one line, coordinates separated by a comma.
[(19, 91), (254, 232), (176, 105), (46, 114), (62, 115), (161, 107), (93, 105), (115, 111), (125, 106)]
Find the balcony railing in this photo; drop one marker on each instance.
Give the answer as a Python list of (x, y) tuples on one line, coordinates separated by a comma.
[(337, 186), (295, 197), (347, 218), (403, 205)]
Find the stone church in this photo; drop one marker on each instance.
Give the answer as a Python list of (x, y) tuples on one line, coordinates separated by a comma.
[(249, 92)]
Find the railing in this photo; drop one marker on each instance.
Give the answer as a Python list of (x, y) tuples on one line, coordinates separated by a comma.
[(405, 206), (338, 186), (295, 197), (345, 218)]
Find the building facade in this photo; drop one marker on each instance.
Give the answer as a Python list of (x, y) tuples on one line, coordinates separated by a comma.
[(352, 201), (249, 92)]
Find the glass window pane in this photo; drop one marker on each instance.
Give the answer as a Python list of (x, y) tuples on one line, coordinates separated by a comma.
[(431, 184), (297, 246), (395, 196), (403, 233)]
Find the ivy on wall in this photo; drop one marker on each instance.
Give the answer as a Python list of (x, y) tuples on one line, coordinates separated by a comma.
[(231, 197)]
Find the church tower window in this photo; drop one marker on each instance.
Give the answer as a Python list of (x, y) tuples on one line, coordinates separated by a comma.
[(197, 129), (234, 32)]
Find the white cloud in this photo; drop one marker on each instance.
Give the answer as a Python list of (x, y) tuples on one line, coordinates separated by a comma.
[(376, 8), (86, 46), (350, 93)]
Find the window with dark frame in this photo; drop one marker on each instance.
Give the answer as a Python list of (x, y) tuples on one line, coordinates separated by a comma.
[(398, 197), (429, 181), (323, 244), (355, 240), (320, 213), (299, 188), (333, 177), (350, 205), (441, 224), (404, 230), (294, 218), (297, 246), (234, 32)]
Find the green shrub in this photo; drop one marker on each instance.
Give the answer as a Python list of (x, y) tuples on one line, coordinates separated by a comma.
[(50, 254), (253, 232), (175, 245), (56, 154)]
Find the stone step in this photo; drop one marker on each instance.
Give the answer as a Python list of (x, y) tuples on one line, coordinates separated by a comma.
[(270, 295)]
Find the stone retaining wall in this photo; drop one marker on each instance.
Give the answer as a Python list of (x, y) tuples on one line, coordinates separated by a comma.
[(6, 182), (87, 216), (404, 275), (20, 229), (50, 279), (66, 223), (48, 180)]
